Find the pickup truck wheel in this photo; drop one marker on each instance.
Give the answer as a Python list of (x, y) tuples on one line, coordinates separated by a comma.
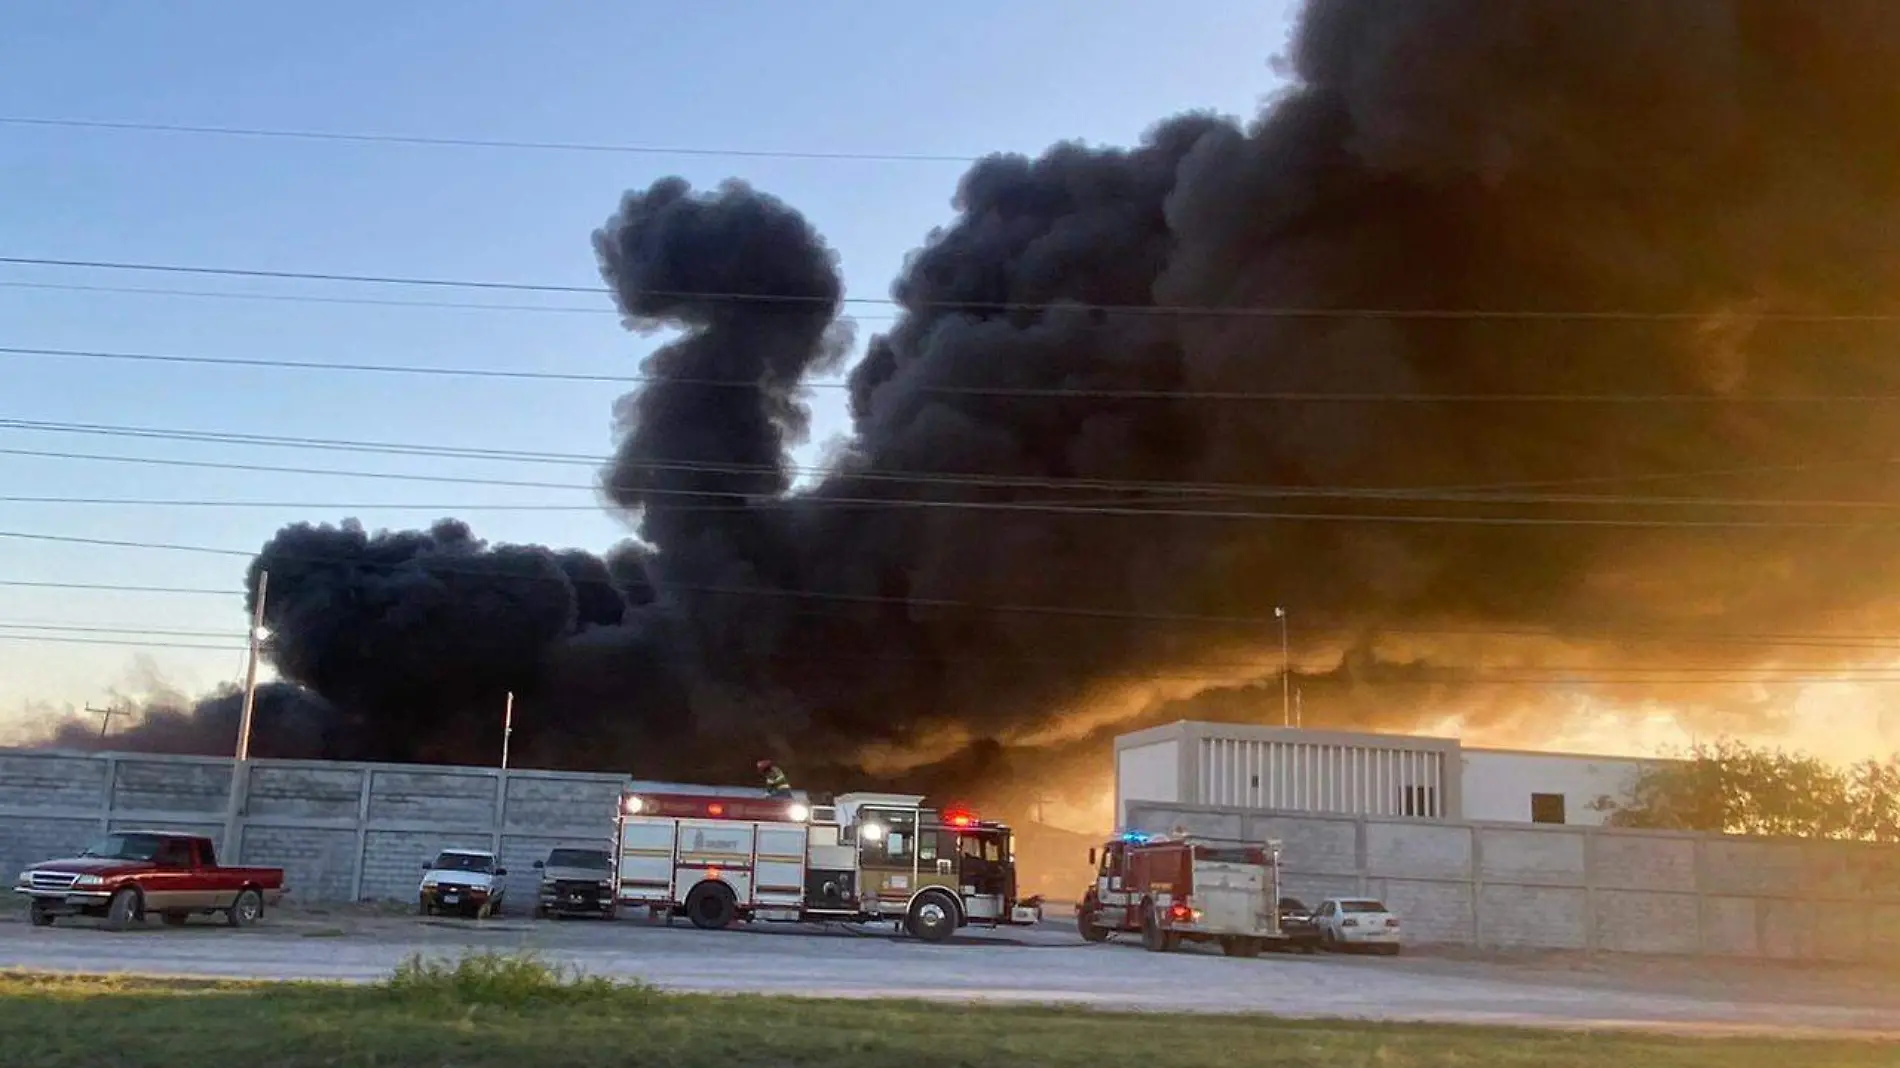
[(39, 915), (123, 909), (245, 910), (174, 918)]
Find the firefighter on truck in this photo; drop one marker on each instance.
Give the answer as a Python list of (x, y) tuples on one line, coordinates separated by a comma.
[(776, 783)]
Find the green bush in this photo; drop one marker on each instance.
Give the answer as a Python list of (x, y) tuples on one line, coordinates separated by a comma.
[(504, 980)]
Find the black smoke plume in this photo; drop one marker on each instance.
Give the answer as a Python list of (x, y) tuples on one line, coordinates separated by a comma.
[(1644, 214)]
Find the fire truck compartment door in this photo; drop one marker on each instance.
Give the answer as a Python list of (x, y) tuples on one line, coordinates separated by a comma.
[(779, 875), (646, 860), (1232, 898), (719, 849)]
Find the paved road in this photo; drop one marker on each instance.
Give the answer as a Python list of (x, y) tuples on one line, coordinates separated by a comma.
[(1046, 966)]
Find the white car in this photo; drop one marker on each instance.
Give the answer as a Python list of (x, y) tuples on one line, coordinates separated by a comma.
[(1349, 923), (462, 881)]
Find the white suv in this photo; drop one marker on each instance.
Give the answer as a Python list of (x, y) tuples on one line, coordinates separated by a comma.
[(1347, 923), (463, 882)]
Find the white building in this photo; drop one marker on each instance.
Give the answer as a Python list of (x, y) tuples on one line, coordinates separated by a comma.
[(1291, 769)]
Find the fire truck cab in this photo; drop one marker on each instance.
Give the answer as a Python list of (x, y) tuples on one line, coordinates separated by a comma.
[(1183, 887), (720, 855)]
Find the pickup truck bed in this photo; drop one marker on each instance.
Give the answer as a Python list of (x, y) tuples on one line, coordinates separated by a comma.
[(127, 876)]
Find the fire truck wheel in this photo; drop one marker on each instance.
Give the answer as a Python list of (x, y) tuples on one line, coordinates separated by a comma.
[(1240, 947), (1086, 925), (933, 917), (1153, 938), (711, 906)]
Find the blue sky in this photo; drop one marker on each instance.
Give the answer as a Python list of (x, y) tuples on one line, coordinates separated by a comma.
[(817, 75)]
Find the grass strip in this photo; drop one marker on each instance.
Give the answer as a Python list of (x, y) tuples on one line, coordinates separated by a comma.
[(493, 1010)]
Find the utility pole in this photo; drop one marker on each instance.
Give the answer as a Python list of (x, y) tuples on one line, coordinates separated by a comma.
[(105, 717), (1286, 670), (240, 767), (1299, 709), (250, 670), (507, 728)]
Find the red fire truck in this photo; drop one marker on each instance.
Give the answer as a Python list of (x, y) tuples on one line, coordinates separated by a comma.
[(720, 855), (1184, 887)]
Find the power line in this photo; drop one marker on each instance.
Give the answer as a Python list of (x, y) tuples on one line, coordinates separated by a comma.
[(829, 597), (1433, 673), (1073, 307), (118, 643), (1090, 509), (1740, 677), (1471, 494), (99, 629), (316, 298), (1819, 640), (108, 587), (1049, 392), (591, 147), (1080, 506)]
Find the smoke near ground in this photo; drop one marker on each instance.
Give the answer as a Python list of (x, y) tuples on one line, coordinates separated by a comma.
[(1051, 424)]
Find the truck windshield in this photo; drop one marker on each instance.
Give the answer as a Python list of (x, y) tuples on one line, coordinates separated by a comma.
[(581, 858), (464, 862), (124, 847)]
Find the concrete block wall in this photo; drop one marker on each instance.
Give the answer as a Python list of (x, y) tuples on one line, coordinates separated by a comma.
[(341, 831), (1517, 886)]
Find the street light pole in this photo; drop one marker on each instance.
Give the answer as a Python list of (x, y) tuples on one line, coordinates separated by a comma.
[(1286, 671), (240, 767), (507, 728)]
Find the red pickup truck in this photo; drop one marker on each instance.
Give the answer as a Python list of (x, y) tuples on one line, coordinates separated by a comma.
[(126, 876)]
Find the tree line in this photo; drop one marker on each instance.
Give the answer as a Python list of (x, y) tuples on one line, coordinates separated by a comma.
[(1731, 788)]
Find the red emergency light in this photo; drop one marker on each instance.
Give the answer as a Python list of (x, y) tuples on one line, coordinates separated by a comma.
[(715, 809), (960, 819)]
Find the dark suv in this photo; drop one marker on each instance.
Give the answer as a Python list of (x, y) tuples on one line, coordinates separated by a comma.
[(1300, 930), (578, 882)]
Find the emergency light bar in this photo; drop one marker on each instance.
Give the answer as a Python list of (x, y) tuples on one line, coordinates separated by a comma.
[(687, 806)]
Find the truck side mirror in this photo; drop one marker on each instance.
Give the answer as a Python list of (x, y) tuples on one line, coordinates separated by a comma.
[(425, 865), (500, 872), (1091, 858), (540, 865)]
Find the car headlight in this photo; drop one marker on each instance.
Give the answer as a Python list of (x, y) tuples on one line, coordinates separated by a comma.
[(428, 884), (25, 878), (88, 880)]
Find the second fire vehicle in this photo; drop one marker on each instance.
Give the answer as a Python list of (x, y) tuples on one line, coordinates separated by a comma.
[(1177, 888)]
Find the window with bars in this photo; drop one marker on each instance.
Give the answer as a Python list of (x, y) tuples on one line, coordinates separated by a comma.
[(1547, 808)]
